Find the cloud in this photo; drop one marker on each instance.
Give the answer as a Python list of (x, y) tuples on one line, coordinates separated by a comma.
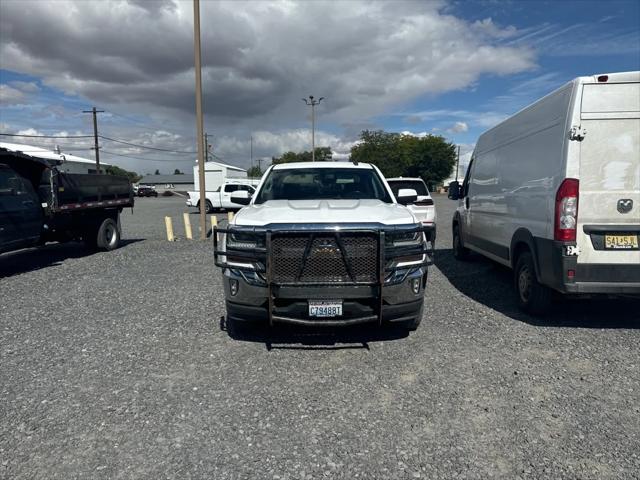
[(259, 57), (26, 87), (266, 143), (489, 28), (10, 96), (458, 127), (483, 119), (579, 39)]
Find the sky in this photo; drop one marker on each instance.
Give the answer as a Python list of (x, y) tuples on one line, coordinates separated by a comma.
[(450, 68)]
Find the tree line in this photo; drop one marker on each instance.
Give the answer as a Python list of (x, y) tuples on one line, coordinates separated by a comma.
[(430, 157)]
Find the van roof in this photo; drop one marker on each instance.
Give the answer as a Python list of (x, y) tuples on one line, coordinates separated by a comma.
[(617, 77)]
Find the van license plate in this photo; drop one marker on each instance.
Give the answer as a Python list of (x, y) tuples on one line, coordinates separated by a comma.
[(325, 308), (621, 242)]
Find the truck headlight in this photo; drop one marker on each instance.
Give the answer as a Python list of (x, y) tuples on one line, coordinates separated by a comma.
[(244, 241), (404, 239)]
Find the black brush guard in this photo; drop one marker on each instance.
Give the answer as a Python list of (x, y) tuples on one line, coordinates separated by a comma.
[(257, 258)]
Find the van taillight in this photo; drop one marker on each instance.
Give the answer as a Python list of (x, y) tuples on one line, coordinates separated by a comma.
[(566, 211)]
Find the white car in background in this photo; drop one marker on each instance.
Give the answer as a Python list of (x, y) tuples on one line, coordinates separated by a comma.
[(423, 208)]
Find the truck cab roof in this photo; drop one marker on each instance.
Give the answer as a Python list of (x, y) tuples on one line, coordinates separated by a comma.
[(293, 165)]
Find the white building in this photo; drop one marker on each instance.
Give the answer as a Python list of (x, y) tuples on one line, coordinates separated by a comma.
[(215, 173), (70, 163)]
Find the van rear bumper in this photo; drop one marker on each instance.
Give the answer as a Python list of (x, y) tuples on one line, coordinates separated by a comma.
[(605, 278), (610, 288), (554, 267)]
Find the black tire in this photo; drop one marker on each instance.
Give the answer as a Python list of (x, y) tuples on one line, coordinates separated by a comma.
[(533, 297), (208, 208), (459, 250), (241, 329), (108, 235)]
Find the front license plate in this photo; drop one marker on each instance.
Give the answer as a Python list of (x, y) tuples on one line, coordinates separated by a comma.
[(325, 308), (620, 242)]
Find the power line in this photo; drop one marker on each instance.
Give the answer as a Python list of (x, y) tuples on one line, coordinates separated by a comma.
[(131, 144), (74, 149), (132, 120), (139, 123), (146, 159), (45, 136), (100, 136), (145, 146)]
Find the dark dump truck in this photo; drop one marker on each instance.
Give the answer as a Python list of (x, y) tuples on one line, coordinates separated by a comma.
[(40, 204)]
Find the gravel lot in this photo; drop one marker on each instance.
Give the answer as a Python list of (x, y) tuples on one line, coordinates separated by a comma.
[(113, 365)]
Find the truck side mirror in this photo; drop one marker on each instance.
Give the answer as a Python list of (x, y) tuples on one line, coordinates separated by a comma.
[(454, 190), (241, 197), (407, 196)]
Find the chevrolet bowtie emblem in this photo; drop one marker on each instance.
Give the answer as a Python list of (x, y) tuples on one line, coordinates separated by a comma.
[(326, 248), (625, 205)]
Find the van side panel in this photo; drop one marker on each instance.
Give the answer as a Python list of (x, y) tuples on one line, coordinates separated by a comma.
[(518, 165)]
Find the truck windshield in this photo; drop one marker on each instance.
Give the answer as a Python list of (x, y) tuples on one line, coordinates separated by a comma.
[(323, 183)]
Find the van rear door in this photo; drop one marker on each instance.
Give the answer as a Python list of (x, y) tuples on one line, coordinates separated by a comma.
[(608, 230)]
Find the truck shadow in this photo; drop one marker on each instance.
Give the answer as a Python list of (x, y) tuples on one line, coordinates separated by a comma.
[(293, 337), (491, 284), (52, 255)]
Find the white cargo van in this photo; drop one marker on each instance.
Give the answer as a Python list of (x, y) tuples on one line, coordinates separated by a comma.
[(554, 192)]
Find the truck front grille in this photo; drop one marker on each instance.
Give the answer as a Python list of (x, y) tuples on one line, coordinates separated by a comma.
[(320, 259)]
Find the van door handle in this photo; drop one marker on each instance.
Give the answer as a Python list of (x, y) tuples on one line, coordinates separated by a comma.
[(28, 202)]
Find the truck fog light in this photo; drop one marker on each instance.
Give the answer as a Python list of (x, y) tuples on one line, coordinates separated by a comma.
[(415, 285), (233, 286)]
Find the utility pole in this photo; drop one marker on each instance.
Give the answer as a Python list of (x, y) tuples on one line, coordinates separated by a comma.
[(458, 163), (199, 119), (312, 102), (206, 147), (260, 164), (251, 143), (95, 135)]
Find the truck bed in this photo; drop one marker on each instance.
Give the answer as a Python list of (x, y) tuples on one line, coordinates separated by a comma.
[(80, 191)]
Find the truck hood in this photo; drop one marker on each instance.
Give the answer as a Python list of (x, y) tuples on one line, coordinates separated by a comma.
[(324, 211)]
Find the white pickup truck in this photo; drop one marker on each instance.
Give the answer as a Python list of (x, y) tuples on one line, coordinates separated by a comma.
[(220, 198), (324, 243)]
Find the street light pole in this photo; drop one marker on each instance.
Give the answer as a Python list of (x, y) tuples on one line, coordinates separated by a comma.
[(199, 119), (312, 102)]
